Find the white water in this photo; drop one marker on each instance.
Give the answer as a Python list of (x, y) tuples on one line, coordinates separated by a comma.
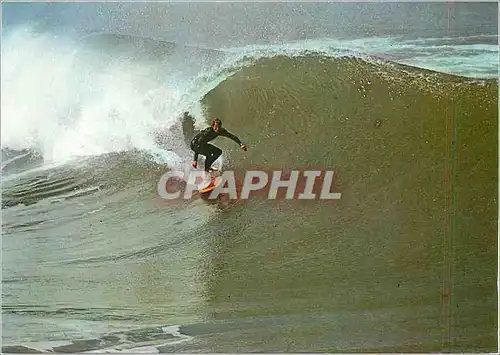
[(66, 104)]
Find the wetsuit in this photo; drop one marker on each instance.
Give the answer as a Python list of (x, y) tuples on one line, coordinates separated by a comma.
[(200, 145)]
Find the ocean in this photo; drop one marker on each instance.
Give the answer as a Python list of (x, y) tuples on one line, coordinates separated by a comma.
[(99, 100)]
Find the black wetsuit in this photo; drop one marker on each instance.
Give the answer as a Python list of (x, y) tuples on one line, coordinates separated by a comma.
[(200, 145)]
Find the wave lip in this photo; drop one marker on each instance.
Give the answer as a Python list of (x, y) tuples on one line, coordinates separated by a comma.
[(474, 56)]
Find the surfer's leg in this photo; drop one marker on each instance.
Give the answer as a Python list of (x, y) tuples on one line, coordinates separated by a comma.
[(213, 153), (197, 151)]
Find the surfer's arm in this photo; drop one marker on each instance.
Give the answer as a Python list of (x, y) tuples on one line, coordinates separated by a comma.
[(229, 135)]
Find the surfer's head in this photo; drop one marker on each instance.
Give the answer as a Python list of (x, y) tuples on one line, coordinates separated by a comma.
[(216, 124)]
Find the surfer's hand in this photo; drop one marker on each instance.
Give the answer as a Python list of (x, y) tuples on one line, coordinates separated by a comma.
[(243, 147), (194, 164)]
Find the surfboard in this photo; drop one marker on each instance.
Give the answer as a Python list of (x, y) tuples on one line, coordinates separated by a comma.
[(209, 188), (213, 181)]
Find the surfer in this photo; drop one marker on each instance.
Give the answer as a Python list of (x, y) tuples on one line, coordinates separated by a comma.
[(200, 145)]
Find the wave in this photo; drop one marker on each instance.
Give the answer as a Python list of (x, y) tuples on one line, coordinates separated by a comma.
[(68, 100), (104, 93)]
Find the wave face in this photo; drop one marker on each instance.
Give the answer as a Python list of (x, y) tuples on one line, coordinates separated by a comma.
[(313, 109), (416, 153)]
